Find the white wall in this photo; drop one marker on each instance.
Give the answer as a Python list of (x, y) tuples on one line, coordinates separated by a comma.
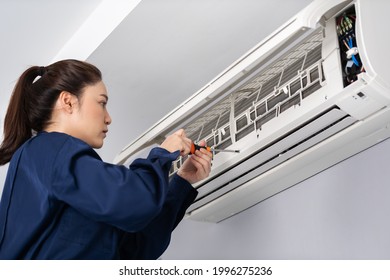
[(341, 213)]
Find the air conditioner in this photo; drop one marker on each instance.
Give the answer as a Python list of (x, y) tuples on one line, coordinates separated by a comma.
[(315, 92)]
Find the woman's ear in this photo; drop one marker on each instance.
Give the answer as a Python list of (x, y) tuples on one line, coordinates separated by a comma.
[(66, 101)]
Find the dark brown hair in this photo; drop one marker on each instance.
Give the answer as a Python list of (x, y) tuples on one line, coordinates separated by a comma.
[(34, 96)]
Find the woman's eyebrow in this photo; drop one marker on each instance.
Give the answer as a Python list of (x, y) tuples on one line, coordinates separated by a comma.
[(104, 95)]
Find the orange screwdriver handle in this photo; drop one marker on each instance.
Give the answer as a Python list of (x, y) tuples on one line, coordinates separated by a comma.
[(195, 147)]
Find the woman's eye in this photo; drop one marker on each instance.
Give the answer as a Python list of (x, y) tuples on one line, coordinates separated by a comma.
[(103, 103)]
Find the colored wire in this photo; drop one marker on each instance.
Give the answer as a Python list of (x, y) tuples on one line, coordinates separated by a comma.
[(353, 56)]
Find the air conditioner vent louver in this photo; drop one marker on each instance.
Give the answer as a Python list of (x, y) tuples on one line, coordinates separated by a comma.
[(275, 153)]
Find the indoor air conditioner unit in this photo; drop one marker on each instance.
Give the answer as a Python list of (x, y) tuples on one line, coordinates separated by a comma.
[(313, 93)]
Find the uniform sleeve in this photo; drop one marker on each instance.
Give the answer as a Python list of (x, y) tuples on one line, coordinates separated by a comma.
[(127, 198), (153, 240)]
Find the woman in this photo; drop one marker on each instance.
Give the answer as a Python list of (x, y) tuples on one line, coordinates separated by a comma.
[(60, 200)]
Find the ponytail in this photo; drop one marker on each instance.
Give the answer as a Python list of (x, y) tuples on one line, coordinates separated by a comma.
[(16, 126), (34, 96)]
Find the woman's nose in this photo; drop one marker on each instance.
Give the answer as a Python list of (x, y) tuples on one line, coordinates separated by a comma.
[(107, 119)]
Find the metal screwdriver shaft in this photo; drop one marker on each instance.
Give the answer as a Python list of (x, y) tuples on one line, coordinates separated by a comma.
[(195, 147)]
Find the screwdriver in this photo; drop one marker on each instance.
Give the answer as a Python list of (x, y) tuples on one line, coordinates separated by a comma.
[(195, 147)]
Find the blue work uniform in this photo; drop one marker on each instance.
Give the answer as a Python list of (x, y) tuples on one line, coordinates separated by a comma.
[(61, 201)]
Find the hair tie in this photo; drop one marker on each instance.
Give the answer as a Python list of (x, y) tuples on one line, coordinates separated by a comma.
[(41, 71)]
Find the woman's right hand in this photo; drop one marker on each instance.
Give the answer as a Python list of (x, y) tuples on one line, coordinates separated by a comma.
[(177, 141)]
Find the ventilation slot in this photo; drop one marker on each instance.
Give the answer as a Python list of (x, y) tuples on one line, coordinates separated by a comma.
[(275, 153)]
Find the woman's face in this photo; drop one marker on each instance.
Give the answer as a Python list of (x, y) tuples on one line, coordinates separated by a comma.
[(91, 118)]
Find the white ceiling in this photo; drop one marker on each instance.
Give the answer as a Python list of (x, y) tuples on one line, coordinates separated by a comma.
[(161, 53)]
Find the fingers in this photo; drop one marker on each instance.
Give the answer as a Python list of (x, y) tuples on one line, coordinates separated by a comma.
[(198, 166), (177, 141), (187, 146), (202, 161), (187, 143), (180, 133), (182, 142), (202, 143)]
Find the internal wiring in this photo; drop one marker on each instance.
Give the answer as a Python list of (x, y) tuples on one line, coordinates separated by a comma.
[(352, 65), (353, 56)]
